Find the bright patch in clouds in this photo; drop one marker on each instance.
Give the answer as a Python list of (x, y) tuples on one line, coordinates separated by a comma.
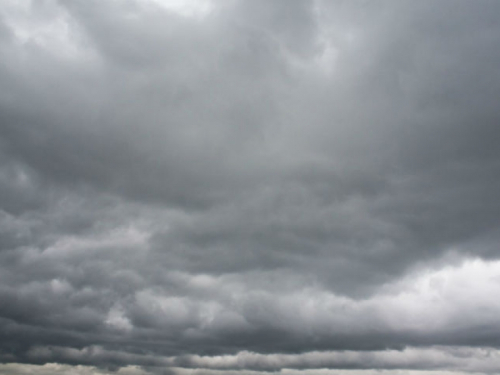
[(187, 8), (55, 32)]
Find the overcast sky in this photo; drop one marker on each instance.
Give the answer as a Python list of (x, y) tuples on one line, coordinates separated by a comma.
[(239, 187)]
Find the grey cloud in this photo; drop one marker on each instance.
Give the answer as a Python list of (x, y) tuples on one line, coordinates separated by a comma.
[(460, 359), (254, 179)]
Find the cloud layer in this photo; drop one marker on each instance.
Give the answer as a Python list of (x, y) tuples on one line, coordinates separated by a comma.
[(249, 186)]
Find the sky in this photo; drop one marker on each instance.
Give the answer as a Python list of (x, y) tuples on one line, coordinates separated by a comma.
[(249, 187)]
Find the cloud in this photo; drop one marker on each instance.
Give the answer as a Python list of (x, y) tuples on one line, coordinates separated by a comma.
[(13, 369), (53, 368), (249, 186)]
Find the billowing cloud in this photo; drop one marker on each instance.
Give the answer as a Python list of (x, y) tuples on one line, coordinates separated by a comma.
[(249, 186)]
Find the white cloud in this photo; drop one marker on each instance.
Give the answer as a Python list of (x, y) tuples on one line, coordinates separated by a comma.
[(187, 8), (46, 26), (118, 320), (59, 369)]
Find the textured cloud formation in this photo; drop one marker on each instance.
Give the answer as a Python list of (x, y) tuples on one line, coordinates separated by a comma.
[(249, 186), (57, 369)]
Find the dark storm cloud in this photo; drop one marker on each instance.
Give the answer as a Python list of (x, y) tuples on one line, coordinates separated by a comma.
[(265, 178)]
